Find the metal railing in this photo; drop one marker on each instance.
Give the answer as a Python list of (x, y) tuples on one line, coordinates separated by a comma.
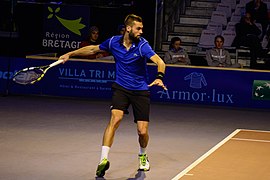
[(167, 14)]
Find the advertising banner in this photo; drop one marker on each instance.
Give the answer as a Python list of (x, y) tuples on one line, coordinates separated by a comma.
[(72, 79), (215, 87), (4, 74), (186, 85), (64, 27)]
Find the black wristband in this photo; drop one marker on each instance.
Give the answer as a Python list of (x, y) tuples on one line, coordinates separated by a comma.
[(160, 75)]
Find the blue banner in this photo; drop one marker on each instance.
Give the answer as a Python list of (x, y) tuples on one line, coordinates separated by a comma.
[(4, 74), (63, 30), (82, 80), (186, 85), (218, 87), (74, 79)]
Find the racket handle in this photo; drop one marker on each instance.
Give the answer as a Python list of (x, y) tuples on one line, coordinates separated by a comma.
[(56, 63)]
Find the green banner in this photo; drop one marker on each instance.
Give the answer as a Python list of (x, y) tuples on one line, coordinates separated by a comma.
[(261, 90)]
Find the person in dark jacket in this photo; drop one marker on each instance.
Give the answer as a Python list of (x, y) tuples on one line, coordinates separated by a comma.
[(258, 11), (247, 35)]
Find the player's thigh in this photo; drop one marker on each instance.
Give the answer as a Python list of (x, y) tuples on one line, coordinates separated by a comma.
[(120, 100), (141, 106)]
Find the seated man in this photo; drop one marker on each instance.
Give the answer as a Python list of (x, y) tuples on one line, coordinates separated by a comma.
[(176, 54), (258, 11), (93, 39), (121, 29), (218, 56), (247, 35)]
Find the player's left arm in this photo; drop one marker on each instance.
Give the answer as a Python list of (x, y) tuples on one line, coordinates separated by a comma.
[(161, 71)]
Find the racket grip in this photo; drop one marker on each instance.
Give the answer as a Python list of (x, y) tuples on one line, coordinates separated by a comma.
[(56, 63)]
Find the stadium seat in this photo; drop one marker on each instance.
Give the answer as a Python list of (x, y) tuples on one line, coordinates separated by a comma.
[(231, 26), (240, 9), (232, 3), (229, 36), (219, 17), (215, 26), (235, 17), (225, 8), (207, 38), (244, 2)]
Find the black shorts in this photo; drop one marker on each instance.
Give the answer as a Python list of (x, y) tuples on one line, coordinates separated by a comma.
[(140, 101)]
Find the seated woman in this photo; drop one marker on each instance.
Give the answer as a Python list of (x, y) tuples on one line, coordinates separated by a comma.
[(218, 56), (176, 54)]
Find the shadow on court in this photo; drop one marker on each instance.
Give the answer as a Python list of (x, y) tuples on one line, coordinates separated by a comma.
[(140, 175)]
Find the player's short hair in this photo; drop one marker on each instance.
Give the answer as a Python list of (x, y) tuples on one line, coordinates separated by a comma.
[(129, 20)]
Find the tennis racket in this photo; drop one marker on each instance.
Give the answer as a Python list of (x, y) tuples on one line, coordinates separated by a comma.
[(33, 74)]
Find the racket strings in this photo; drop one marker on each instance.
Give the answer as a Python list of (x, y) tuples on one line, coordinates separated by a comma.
[(32, 74), (28, 76)]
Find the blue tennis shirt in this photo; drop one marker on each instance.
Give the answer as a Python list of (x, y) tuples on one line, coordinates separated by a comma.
[(131, 65)]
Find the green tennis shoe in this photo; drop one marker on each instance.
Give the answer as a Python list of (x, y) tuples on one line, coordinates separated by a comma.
[(143, 163), (102, 167)]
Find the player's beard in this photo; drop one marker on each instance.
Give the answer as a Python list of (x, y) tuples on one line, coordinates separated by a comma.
[(133, 38)]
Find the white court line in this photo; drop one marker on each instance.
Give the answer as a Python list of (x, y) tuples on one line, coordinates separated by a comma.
[(255, 130), (195, 163), (253, 140)]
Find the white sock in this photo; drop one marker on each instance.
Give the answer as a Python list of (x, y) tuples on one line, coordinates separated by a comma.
[(142, 151), (104, 152)]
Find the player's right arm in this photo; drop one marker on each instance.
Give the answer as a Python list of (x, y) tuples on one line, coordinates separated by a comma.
[(84, 51)]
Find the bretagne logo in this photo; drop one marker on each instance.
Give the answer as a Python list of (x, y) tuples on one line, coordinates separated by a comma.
[(72, 25)]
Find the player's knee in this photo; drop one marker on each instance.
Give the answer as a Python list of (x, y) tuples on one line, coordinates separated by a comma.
[(115, 120)]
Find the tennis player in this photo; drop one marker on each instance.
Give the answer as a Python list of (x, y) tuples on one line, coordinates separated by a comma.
[(130, 52)]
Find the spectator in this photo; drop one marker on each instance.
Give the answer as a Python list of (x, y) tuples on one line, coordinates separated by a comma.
[(218, 56), (247, 35), (258, 11), (176, 54), (121, 29), (93, 39)]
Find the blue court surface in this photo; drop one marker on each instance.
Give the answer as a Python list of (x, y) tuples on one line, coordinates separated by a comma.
[(50, 138)]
